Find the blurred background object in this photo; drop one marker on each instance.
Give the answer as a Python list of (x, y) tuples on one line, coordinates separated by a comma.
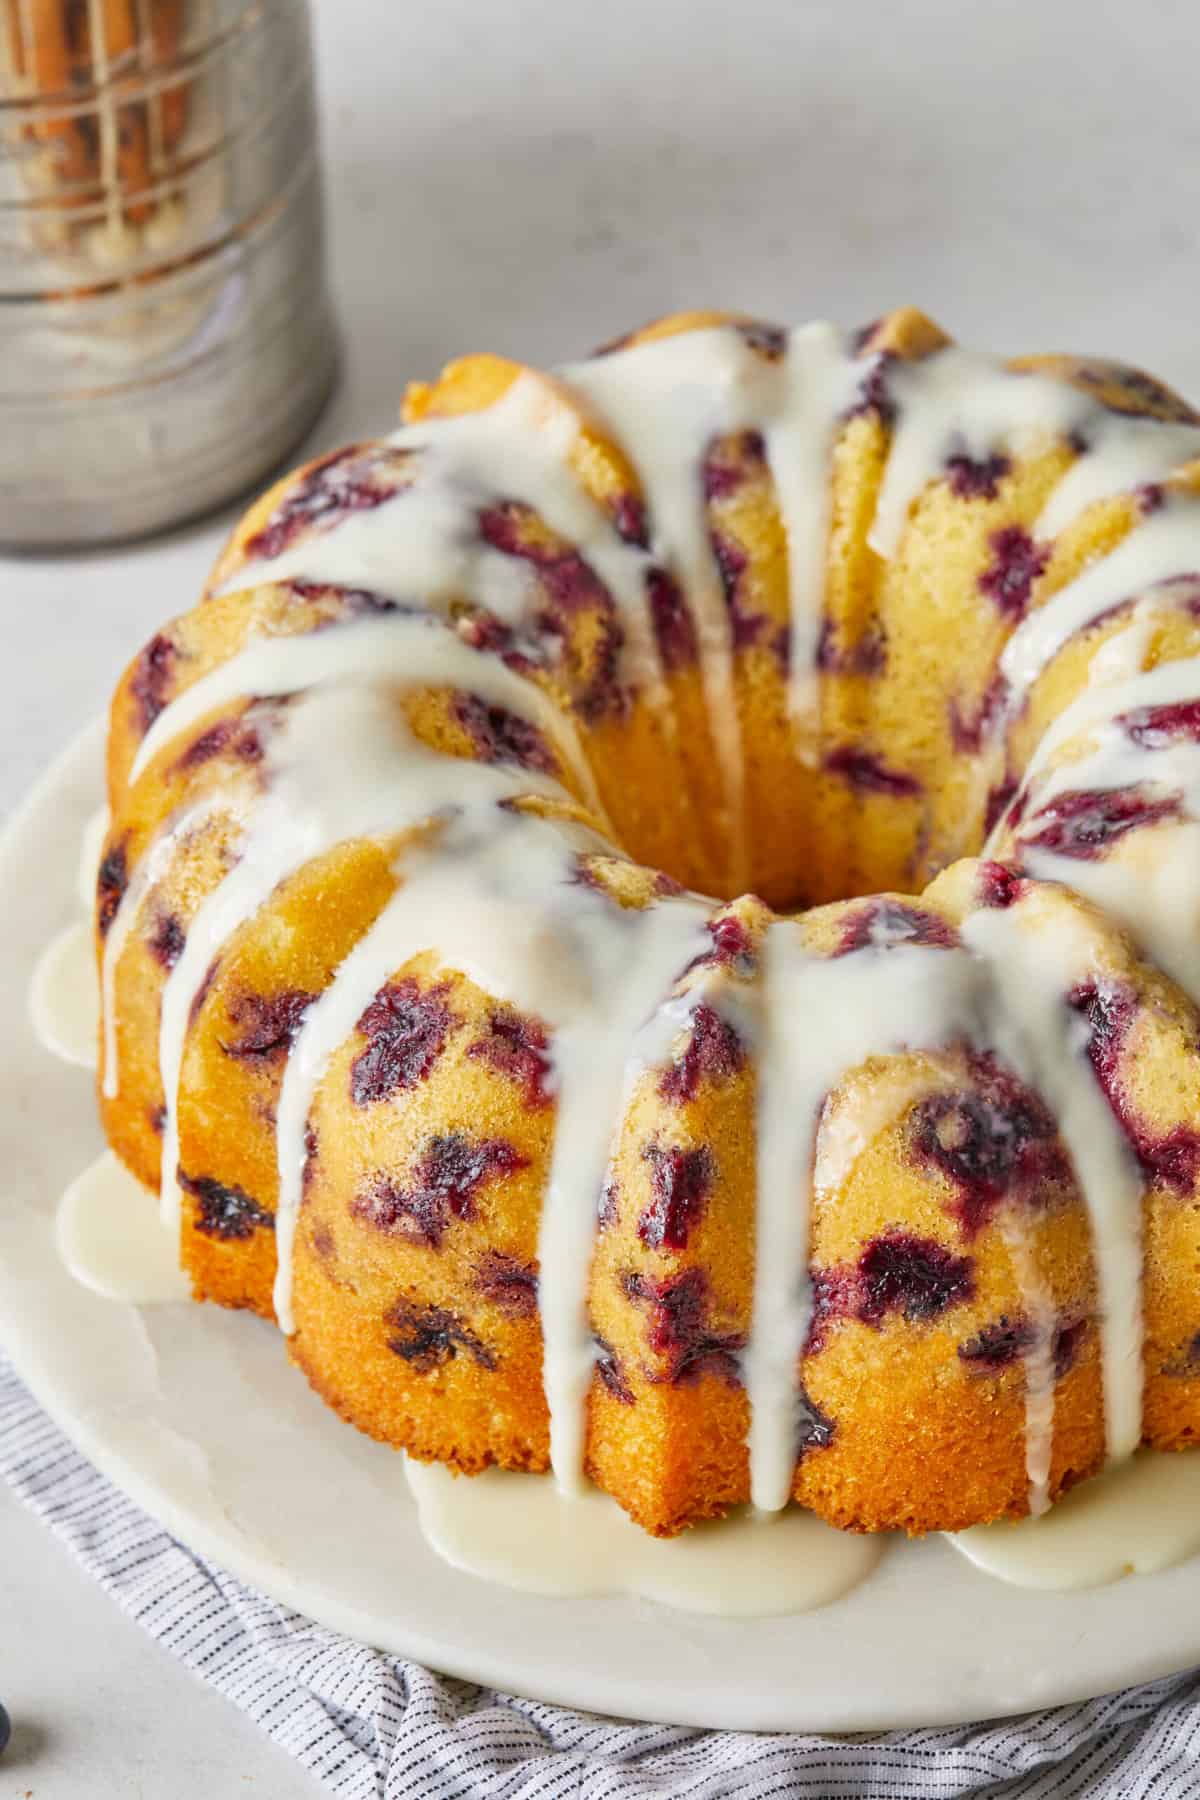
[(165, 336)]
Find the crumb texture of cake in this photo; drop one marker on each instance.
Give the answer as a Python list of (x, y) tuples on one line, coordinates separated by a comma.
[(651, 919)]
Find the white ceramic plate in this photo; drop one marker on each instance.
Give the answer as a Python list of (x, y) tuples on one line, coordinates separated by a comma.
[(197, 1415)]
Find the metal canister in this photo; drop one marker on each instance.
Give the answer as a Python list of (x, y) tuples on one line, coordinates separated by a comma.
[(165, 330)]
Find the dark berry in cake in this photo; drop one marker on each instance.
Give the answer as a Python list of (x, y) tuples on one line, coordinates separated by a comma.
[(222, 1211), (875, 390), (971, 728), (610, 1200), (203, 991), (674, 627), (570, 589), (1084, 823), (999, 887), (1109, 1013), (746, 627), (973, 478), (312, 1157), (111, 881), (915, 1276), (732, 947), (896, 1272), (680, 1181), (443, 1186), (999, 799), (1158, 727), (350, 603), (1016, 564), (612, 1373), (266, 1024), (713, 1052), (427, 1336), (998, 1345), (500, 736), (866, 656), (814, 1428), (680, 1327), (406, 1028), (835, 1295), (1126, 390), (152, 679), (882, 924), (1068, 1342), (509, 1284), (768, 340), (1185, 1364), (167, 940), (518, 1047), (1169, 1159), (351, 480), (993, 1140), (324, 1247), (729, 462), (869, 774), (235, 737), (629, 517)]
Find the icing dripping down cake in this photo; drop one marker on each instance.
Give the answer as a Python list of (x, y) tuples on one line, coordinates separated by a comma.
[(652, 919)]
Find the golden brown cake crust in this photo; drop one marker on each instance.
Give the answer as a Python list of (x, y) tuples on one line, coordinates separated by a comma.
[(415, 1266)]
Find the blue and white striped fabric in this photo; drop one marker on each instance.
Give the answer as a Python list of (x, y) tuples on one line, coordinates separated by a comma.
[(373, 1727)]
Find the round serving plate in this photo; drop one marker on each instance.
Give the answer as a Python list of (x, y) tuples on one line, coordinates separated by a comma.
[(197, 1414)]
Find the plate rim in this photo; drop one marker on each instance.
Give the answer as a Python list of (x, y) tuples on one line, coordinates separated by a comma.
[(591, 1689)]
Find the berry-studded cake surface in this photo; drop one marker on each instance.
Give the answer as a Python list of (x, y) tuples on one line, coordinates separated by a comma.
[(652, 919)]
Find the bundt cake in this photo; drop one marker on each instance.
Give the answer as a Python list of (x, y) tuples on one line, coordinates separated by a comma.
[(868, 1180)]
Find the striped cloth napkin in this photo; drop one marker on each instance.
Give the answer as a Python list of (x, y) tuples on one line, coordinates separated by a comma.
[(373, 1727)]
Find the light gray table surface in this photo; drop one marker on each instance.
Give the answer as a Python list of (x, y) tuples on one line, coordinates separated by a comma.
[(533, 178)]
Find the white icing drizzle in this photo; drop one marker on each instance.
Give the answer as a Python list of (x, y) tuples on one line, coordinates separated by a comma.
[(64, 1004), (524, 1532), (407, 652), (1007, 996), (436, 908), (822, 1018), (591, 969), (110, 1237), (423, 546), (1038, 1360), (860, 1115), (1152, 895), (517, 450), (815, 386), (1134, 1519), (382, 780), (1118, 760), (956, 402), (91, 849), (154, 864), (631, 959), (1123, 454), (1159, 548), (1155, 897), (663, 403), (1035, 1033), (494, 894)]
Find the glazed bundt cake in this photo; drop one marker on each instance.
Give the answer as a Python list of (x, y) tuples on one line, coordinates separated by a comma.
[(868, 1180)]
